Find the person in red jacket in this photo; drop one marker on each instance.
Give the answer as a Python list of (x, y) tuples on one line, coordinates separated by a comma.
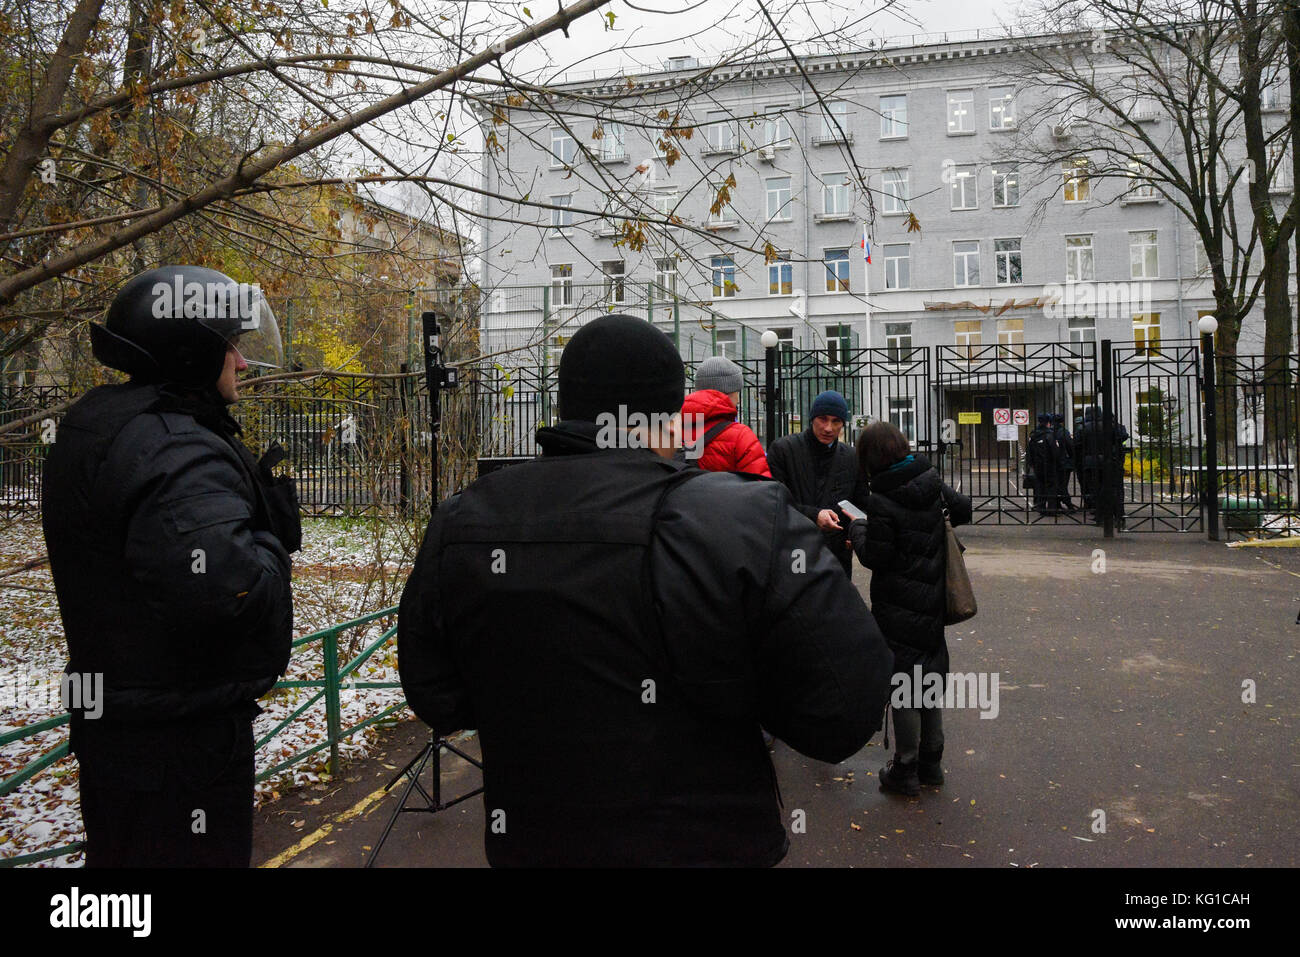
[(735, 448)]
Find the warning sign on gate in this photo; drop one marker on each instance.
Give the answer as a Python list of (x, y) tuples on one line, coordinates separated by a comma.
[(968, 418), (1022, 416), (1001, 416)]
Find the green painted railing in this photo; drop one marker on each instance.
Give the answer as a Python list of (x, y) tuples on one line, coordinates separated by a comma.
[(335, 680)]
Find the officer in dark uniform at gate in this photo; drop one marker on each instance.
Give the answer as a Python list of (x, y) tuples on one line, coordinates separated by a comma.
[(169, 545), (1044, 456)]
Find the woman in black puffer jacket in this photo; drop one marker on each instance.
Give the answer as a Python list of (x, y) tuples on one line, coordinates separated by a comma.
[(903, 542)]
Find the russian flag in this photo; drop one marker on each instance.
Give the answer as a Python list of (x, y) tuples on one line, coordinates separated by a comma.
[(866, 246)]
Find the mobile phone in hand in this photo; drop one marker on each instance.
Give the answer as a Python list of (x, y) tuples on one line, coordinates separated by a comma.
[(851, 510)]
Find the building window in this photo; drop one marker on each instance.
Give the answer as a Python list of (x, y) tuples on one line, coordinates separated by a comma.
[(562, 285), (1006, 184), (1011, 338), (969, 336), (725, 340), (1270, 94), (611, 142), (961, 111), (962, 193), (895, 190), (665, 201), (898, 341), (837, 270), (1075, 172), (1078, 259), (835, 193), (893, 116), (1140, 184), (1144, 107), (898, 267), (666, 276), (1279, 164), (1143, 254), (776, 128), (563, 149), (1002, 108), (1006, 262), (1202, 261), (778, 198), (837, 343), (615, 288), (780, 276), (561, 215), (720, 133), (902, 415), (1083, 329), (966, 262), (835, 121), (1146, 333), (724, 277)]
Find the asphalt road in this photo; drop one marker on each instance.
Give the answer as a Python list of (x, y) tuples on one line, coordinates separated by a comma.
[(1121, 736)]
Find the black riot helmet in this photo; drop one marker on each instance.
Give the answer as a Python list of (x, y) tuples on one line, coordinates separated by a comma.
[(174, 323)]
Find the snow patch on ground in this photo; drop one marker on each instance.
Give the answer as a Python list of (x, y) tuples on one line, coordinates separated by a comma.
[(347, 568)]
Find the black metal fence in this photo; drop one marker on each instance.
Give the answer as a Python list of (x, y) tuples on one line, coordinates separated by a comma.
[(358, 443)]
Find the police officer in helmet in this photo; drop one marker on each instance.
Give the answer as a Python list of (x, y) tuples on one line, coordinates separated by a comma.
[(169, 546)]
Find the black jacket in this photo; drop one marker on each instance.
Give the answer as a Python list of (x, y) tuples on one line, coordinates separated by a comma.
[(617, 626), (1065, 448), (169, 580), (1093, 439), (1043, 453), (791, 461), (903, 542)]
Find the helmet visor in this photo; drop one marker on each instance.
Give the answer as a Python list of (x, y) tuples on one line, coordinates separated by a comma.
[(258, 335)]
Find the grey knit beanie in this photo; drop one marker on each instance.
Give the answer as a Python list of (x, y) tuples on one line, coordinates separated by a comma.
[(719, 372)]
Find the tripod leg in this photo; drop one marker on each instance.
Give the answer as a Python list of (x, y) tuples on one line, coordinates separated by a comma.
[(423, 759)]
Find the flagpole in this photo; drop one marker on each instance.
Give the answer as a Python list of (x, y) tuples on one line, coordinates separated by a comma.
[(866, 280)]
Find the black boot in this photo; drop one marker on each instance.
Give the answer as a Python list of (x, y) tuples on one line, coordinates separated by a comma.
[(928, 769), (900, 778)]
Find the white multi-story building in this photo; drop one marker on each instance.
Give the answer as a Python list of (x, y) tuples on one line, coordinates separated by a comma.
[(785, 163)]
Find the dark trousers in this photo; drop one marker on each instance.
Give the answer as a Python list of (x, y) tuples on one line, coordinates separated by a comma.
[(196, 811), (1088, 488), (1044, 489), (916, 730), (1063, 489)]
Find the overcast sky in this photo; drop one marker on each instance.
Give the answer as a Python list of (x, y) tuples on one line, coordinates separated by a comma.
[(706, 28)]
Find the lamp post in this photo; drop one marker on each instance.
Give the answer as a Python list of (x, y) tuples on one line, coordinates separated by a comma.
[(770, 341), (1208, 325)]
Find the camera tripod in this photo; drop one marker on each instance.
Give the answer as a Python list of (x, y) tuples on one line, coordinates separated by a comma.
[(433, 803)]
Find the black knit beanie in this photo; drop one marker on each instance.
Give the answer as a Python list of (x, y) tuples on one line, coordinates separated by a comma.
[(620, 360)]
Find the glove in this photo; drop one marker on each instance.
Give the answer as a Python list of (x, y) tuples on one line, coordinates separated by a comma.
[(281, 500)]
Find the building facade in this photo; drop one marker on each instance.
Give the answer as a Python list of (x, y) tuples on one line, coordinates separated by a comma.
[(971, 246)]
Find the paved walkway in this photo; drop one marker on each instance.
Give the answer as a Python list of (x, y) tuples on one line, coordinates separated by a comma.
[(1120, 693)]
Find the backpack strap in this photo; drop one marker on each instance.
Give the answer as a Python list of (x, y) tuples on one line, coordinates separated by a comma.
[(703, 441)]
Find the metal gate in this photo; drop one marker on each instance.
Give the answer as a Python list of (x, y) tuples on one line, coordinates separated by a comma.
[(985, 459), (1156, 399), (890, 384)]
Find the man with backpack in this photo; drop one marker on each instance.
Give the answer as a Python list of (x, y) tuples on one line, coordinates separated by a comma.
[(617, 626), (711, 436)]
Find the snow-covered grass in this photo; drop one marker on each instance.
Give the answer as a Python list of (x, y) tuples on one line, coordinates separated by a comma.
[(347, 568)]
